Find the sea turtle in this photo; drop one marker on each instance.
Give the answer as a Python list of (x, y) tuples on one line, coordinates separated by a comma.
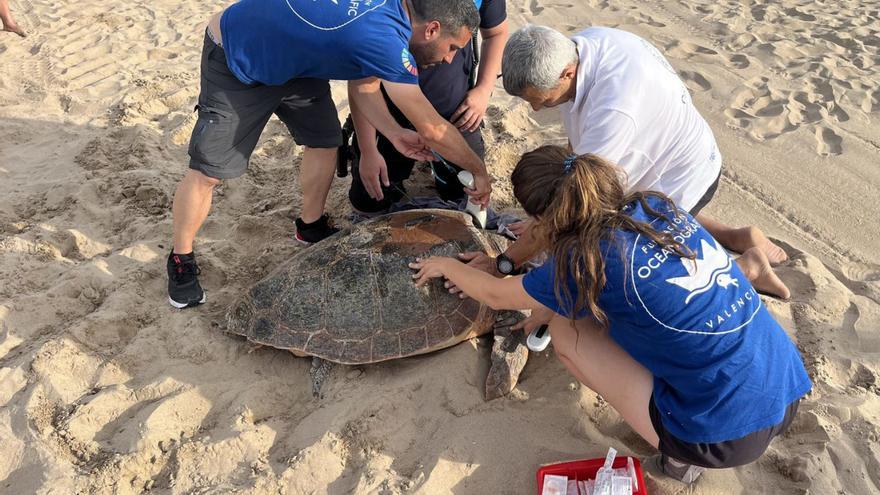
[(350, 299)]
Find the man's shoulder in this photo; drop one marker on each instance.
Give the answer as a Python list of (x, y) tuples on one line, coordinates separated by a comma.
[(603, 32), (596, 41), (492, 12)]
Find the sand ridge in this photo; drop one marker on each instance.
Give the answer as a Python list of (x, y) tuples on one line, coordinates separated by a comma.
[(105, 389)]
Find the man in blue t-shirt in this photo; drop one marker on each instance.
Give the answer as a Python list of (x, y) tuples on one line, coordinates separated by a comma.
[(264, 57), (378, 170)]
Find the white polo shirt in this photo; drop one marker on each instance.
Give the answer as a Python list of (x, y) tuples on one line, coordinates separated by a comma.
[(631, 108)]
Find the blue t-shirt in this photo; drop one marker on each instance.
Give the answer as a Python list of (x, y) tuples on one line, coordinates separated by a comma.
[(723, 367), (274, 41)]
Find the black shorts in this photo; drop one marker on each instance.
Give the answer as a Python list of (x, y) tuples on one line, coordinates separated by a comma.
[(400, 168), (719, 455), (232, 116), (710, 193)]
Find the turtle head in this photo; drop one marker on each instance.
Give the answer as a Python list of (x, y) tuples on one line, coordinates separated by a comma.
[(239, 318)]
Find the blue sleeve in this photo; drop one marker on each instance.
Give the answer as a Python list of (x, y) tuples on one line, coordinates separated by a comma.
[(389, 59), (538, 283), (492, 13)]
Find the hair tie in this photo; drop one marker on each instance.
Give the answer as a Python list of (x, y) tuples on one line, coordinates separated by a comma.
[(569, 164)]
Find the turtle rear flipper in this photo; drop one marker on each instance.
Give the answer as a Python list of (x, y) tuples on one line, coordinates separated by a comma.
[(509, 355), (319, 372)]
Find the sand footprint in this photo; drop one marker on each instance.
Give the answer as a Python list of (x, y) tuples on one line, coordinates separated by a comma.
[(535, 7), (804, 109), (695, 81), (741, 42), (821, 90), (650, 21), (762, 110), (704, 9), (828, 142), (739, 61), (864, 377), (861, 273), (120, 419), (796, 12), (690, 51), (864, 62)]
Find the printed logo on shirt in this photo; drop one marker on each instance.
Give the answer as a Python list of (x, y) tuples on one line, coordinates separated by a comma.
[(408, 62), (704, 273), (329, 15), (715, 157), (707, 295)]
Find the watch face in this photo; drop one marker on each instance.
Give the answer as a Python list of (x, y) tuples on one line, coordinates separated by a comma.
[(505, 266)]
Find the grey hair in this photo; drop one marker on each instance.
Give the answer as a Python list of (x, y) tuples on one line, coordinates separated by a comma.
[(536, 56), (452, 14)]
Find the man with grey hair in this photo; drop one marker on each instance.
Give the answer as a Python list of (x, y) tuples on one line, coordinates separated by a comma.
[(622, 100), (534, 61)]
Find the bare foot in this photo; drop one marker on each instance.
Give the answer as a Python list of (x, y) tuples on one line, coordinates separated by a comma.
[(757, 269), (749, 237), (14, 28)]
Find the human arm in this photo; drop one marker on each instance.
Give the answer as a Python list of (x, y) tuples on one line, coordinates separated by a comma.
[(372, 167), (519, 251), (497, 293), (440, 135), (469, 115), (368, 106)]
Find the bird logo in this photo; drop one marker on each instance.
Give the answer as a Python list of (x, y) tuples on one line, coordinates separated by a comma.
[(706, 271)]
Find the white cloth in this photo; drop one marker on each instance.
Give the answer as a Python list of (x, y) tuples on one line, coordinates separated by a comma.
[(631, 108)]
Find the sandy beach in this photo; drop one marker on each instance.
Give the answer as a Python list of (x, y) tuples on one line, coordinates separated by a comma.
[(104, 388)]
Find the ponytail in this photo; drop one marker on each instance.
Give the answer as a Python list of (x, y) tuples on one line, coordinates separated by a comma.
[(579, 203)]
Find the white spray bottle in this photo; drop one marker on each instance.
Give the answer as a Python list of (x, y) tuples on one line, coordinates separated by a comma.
[(467, 180)]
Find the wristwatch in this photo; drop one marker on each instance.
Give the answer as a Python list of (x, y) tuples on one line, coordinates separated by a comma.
[(505, 265)]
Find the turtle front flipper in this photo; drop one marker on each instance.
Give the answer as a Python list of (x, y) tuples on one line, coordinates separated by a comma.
[(509, 355), (319, 372)]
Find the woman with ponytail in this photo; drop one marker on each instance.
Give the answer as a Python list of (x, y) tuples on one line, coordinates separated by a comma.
[(649, 311)]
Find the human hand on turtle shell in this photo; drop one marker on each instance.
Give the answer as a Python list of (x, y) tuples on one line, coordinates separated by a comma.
[(433, 267)]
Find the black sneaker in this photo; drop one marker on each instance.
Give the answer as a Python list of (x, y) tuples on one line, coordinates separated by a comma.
[(183, 281), (310, 233)]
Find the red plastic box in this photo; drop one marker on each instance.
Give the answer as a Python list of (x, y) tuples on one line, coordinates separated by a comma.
[(587, 469)]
